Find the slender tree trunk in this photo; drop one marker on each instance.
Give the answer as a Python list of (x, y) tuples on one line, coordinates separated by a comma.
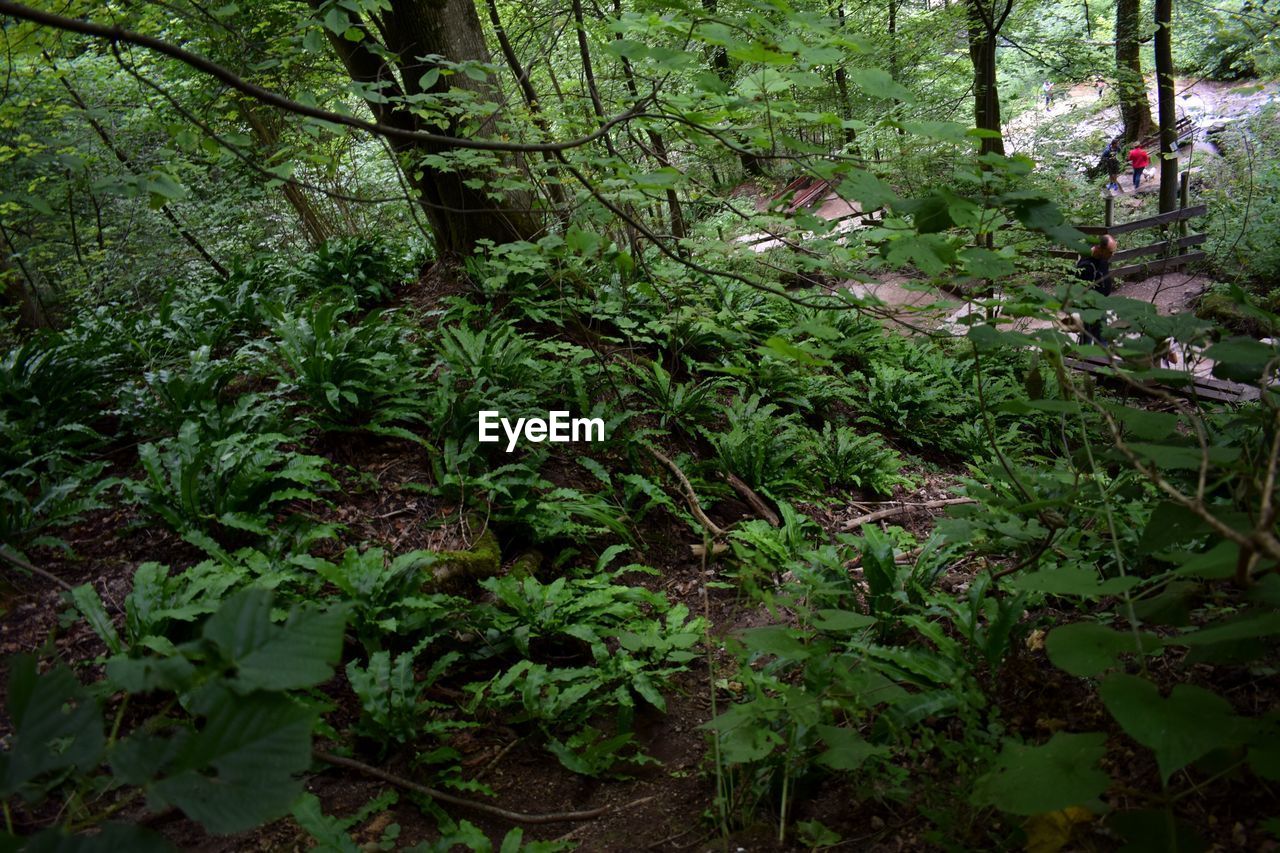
[(751, 164), (1167, 108), (19, 291), (842, 86), (554, 191), (983, 28), (265, 131), (656, 142), (127, 162), (1132, 89)]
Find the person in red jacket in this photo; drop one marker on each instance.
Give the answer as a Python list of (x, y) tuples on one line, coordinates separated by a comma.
[(1139, 160)]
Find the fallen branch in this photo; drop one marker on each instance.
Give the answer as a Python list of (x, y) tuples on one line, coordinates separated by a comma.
[(23, 564), (757, 503), (901, 508), (690, 497), (441, 796)]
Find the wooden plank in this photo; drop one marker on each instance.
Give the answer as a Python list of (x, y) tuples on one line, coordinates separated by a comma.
[(1152, 267), (1202, 387), (1154, 248), (1149, 222), (1191, 240)]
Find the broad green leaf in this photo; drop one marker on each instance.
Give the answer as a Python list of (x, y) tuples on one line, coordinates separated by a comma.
[(254, 745), (1087, 648), (1189, 724), (1072, 579), (301, 653), (1028, 780), (56, 723), (846, 749)]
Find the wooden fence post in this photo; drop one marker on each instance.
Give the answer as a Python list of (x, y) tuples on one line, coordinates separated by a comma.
[(1108, 215), (1184, 193)]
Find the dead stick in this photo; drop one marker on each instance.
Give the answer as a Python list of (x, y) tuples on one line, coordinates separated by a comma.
[(23, 564), (757, 503), (690, 497), (895, 510), (409, 785)]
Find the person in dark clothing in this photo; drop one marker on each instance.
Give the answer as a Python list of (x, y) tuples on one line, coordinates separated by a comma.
[(1095, 271), (1111, 165)]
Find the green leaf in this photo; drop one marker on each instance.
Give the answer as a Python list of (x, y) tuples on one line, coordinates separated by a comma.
[(1188, 725), (1242, 359), (1151, 831), (878, 83), (1170, 524), (842, 620), (775, 640), (1072, 579), (56, 724), (1087, 648), (846, 749), (254, 745), (299, 654), (87, 601), (1029, 780)]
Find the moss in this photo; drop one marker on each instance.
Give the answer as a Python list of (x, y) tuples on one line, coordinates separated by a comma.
[(1222, 309), (482, 560)]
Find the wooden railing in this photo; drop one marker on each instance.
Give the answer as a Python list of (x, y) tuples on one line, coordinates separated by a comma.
[(1173, 247)]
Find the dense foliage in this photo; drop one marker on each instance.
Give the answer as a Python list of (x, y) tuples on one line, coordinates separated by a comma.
[(247, 346)]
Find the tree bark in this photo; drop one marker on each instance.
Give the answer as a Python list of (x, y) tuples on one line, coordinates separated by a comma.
[(19, 291), (460, 215), (1167, 108), (314, 226), (984, 26), (751, 164), (1130, 85)]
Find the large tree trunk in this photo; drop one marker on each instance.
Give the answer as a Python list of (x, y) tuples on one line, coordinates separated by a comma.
[(1168, 113), (982, 53), (460, 215), (1130, 86)]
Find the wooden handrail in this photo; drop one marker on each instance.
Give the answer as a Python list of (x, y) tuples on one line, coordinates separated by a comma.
[(1149, 222), (1181, 243)]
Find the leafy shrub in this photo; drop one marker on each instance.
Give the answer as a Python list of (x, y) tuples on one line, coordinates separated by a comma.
[(165, 398), (234, 483), (50, 395), (36, 497), (762, 447), (350, 374), (369, 268), (681, 404), (585, 646), (228, 756), (844, 457)]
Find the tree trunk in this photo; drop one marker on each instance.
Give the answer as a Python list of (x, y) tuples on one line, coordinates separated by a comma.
[(1130, 86), (460, 215), (751, 164), (982, 53), (555, 192), (19, 291), (1167, 108), (263, 125)]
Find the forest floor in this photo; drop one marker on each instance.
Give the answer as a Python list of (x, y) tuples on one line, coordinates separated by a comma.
[(667, 805)]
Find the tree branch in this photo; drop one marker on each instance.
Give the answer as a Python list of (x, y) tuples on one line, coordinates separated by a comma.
[(115, 35)]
